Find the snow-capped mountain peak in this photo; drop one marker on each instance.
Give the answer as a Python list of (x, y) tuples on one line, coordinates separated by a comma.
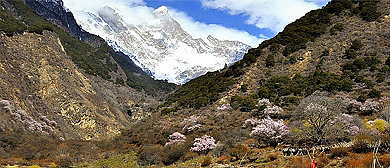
[(158, 44), (163, 10)]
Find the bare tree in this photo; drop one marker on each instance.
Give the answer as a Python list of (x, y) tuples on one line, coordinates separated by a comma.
[(317, 115)]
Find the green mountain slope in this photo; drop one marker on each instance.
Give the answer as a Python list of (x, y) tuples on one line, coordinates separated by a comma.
[(281, 53)]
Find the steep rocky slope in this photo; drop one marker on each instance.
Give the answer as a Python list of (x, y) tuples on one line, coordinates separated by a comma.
[(39, 78), (46, 79), (55, 12)]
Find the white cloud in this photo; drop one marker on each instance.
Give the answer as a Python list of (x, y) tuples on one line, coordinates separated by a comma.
[(202, 30), (77, 5), (269, 14)]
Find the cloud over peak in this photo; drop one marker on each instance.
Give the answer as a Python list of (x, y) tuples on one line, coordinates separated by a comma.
[(269, 14)]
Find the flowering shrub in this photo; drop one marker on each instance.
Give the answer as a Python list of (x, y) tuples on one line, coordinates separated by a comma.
[(385, 114), (191, 124), (354, 130), (273, 110), (347, 123), (204, 144), (7, 104), (379, 125), (176, 138), (270, 109), (225, 107), (269, 130), (29, 123), (264, 102), (370, 106)]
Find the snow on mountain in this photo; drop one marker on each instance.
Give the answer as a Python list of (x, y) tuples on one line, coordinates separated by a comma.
[(157, 43)]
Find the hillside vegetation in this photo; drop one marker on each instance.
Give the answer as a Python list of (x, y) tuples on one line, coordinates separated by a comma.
[(320, 86)]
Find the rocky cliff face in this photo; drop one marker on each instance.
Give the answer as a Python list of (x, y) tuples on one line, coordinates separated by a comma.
[(160, 45), (42, 86), (55, 12)]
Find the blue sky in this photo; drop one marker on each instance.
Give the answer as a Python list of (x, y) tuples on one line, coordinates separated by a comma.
[(210, 16), (248, 21)]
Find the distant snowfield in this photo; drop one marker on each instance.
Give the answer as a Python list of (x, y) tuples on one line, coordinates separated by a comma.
[(156, 42)]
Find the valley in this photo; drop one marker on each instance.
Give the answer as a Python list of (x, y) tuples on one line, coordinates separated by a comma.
[(69, 98)]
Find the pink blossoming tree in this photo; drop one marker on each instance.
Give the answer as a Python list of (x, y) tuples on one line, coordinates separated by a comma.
[(176, 139), (204, 144), (268, 130)]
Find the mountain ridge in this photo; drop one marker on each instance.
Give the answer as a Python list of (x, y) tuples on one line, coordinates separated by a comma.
[(160, 45)]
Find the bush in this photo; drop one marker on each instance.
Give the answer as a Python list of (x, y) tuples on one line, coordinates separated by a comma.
[(39, 28), (339, 152), (388, 61), (53, 165), (299, 162), (270, 61), (337, 6), (297, 34), (238, 151), (360, 161), (206, 161), (362, 98), (173, 153), (322, 160), (244, 104), (204, 144), (9, 25), (167, 111), (272, 156), (119, 81), (336, 28), (361, 143), (374, 94), (384, 160), (356, 45), (380, 77), (189, 155), (325, 53), (248, 104), (65, 162), (223, 160), (176, 139), (150, 155), (351, 54), (293, 59), (369, 11)]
